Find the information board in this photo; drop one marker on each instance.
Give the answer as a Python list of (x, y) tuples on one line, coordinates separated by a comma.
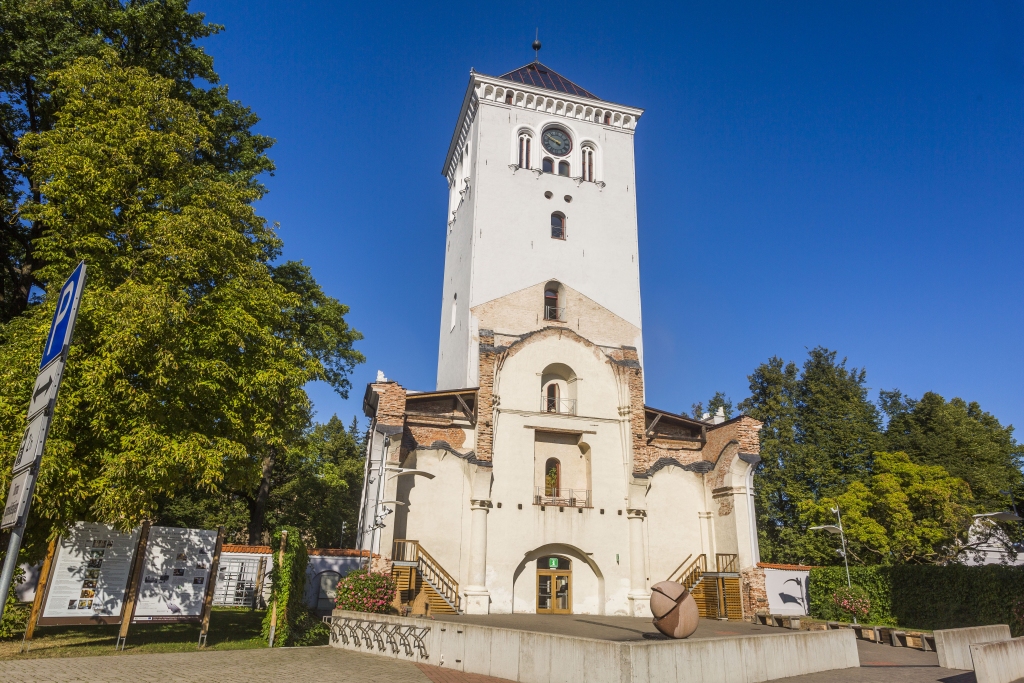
[(175, 574), (89, 576)]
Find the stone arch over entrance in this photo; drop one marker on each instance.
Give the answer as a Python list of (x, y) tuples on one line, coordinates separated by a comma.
[(581, 559)]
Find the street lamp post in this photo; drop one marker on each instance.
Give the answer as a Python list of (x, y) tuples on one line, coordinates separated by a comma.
[(833, 529)]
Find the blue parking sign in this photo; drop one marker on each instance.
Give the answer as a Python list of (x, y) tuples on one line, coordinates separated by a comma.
[(64, 317)]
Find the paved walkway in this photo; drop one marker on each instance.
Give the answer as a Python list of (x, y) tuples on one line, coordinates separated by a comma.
[(233, 666)]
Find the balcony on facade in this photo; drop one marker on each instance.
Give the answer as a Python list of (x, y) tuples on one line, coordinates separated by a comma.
[(554, 404), (563, 498), (556, 313)]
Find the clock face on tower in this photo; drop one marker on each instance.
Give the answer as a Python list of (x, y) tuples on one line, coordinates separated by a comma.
[(556, 141)]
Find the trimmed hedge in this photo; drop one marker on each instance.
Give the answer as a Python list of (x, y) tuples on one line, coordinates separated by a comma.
[(927, 596)]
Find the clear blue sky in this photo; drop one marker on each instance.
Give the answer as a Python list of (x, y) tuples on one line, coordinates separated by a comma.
[(843, 174)]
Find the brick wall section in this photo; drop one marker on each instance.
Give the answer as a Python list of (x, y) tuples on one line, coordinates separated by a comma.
[(753, 593), (485, 400), (390, 403), (421, 435), (643, 455), (742, 429)]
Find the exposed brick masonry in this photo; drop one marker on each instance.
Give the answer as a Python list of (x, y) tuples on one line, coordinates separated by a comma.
[(753, 592), (485, 405)]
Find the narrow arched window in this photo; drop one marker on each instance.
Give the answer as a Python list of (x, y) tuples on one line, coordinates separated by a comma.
[(557, 226), (607, 118), (563, 168), (552, 398), (552, 477), (508, 97), (552, 311), (549, 165), (524, 151), (588, 164)]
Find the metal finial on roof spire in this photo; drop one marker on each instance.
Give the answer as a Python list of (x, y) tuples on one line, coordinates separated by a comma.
[(536, 47)]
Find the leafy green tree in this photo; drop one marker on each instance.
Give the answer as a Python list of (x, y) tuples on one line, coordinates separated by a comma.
[(961, 437), (905, 514), (820, 430), (191, 350), (719, 400), (779, 484), (41, 38), (317, 488)]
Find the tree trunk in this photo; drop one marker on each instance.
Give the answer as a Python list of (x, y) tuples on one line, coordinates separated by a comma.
[(258, 507)]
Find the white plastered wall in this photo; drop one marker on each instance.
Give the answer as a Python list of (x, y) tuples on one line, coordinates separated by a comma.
[(598, 543), (674, 500), (501, 239)]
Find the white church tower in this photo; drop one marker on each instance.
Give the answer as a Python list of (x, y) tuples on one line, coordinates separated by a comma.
[(542, 225), (534, 479)]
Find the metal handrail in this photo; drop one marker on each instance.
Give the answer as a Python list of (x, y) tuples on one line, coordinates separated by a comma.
[(563, 406), (554, 313), (566, 498)]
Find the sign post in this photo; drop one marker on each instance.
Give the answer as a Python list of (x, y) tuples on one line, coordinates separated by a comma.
[(40, 414)]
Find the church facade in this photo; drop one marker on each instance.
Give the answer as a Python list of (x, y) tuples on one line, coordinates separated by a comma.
[(535, 479)]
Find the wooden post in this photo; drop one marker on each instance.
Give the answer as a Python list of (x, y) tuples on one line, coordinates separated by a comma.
[(41, 588), (210, 586), (128, 609), (280, 564), (261, 574)]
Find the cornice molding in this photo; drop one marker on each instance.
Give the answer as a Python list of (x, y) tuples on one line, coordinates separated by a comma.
[(493, 91)]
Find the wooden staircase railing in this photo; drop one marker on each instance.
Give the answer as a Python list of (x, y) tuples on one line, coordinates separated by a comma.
[(692, 571), (406, 551)]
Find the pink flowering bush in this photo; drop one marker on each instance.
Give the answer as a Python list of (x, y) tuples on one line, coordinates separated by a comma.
[(854, 601), (366, 591)]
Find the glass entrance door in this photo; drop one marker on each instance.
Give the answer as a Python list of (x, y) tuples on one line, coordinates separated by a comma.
[(554, 592)]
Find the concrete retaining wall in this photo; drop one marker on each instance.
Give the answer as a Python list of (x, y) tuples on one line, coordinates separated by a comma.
[(531, 657), (1000, 662), (953, 645)]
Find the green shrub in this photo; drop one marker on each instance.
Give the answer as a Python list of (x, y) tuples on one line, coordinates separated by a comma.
[(15, 614), (852, 600), (366, 591), (824, 582), (926, 596)]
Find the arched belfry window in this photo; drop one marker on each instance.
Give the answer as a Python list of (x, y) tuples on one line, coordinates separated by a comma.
[(557, 226), (524, 150), (563, 168), (588, 163), (552, 477), (552, 311), (548, 165)]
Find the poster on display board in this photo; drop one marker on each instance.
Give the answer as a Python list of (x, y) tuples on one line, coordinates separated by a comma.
[(175, 574), (89, 576)]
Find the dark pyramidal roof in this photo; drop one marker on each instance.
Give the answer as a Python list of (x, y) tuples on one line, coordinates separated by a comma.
[(540, 76)]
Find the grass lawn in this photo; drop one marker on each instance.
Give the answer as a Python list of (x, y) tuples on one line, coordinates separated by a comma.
[(230, 629)]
